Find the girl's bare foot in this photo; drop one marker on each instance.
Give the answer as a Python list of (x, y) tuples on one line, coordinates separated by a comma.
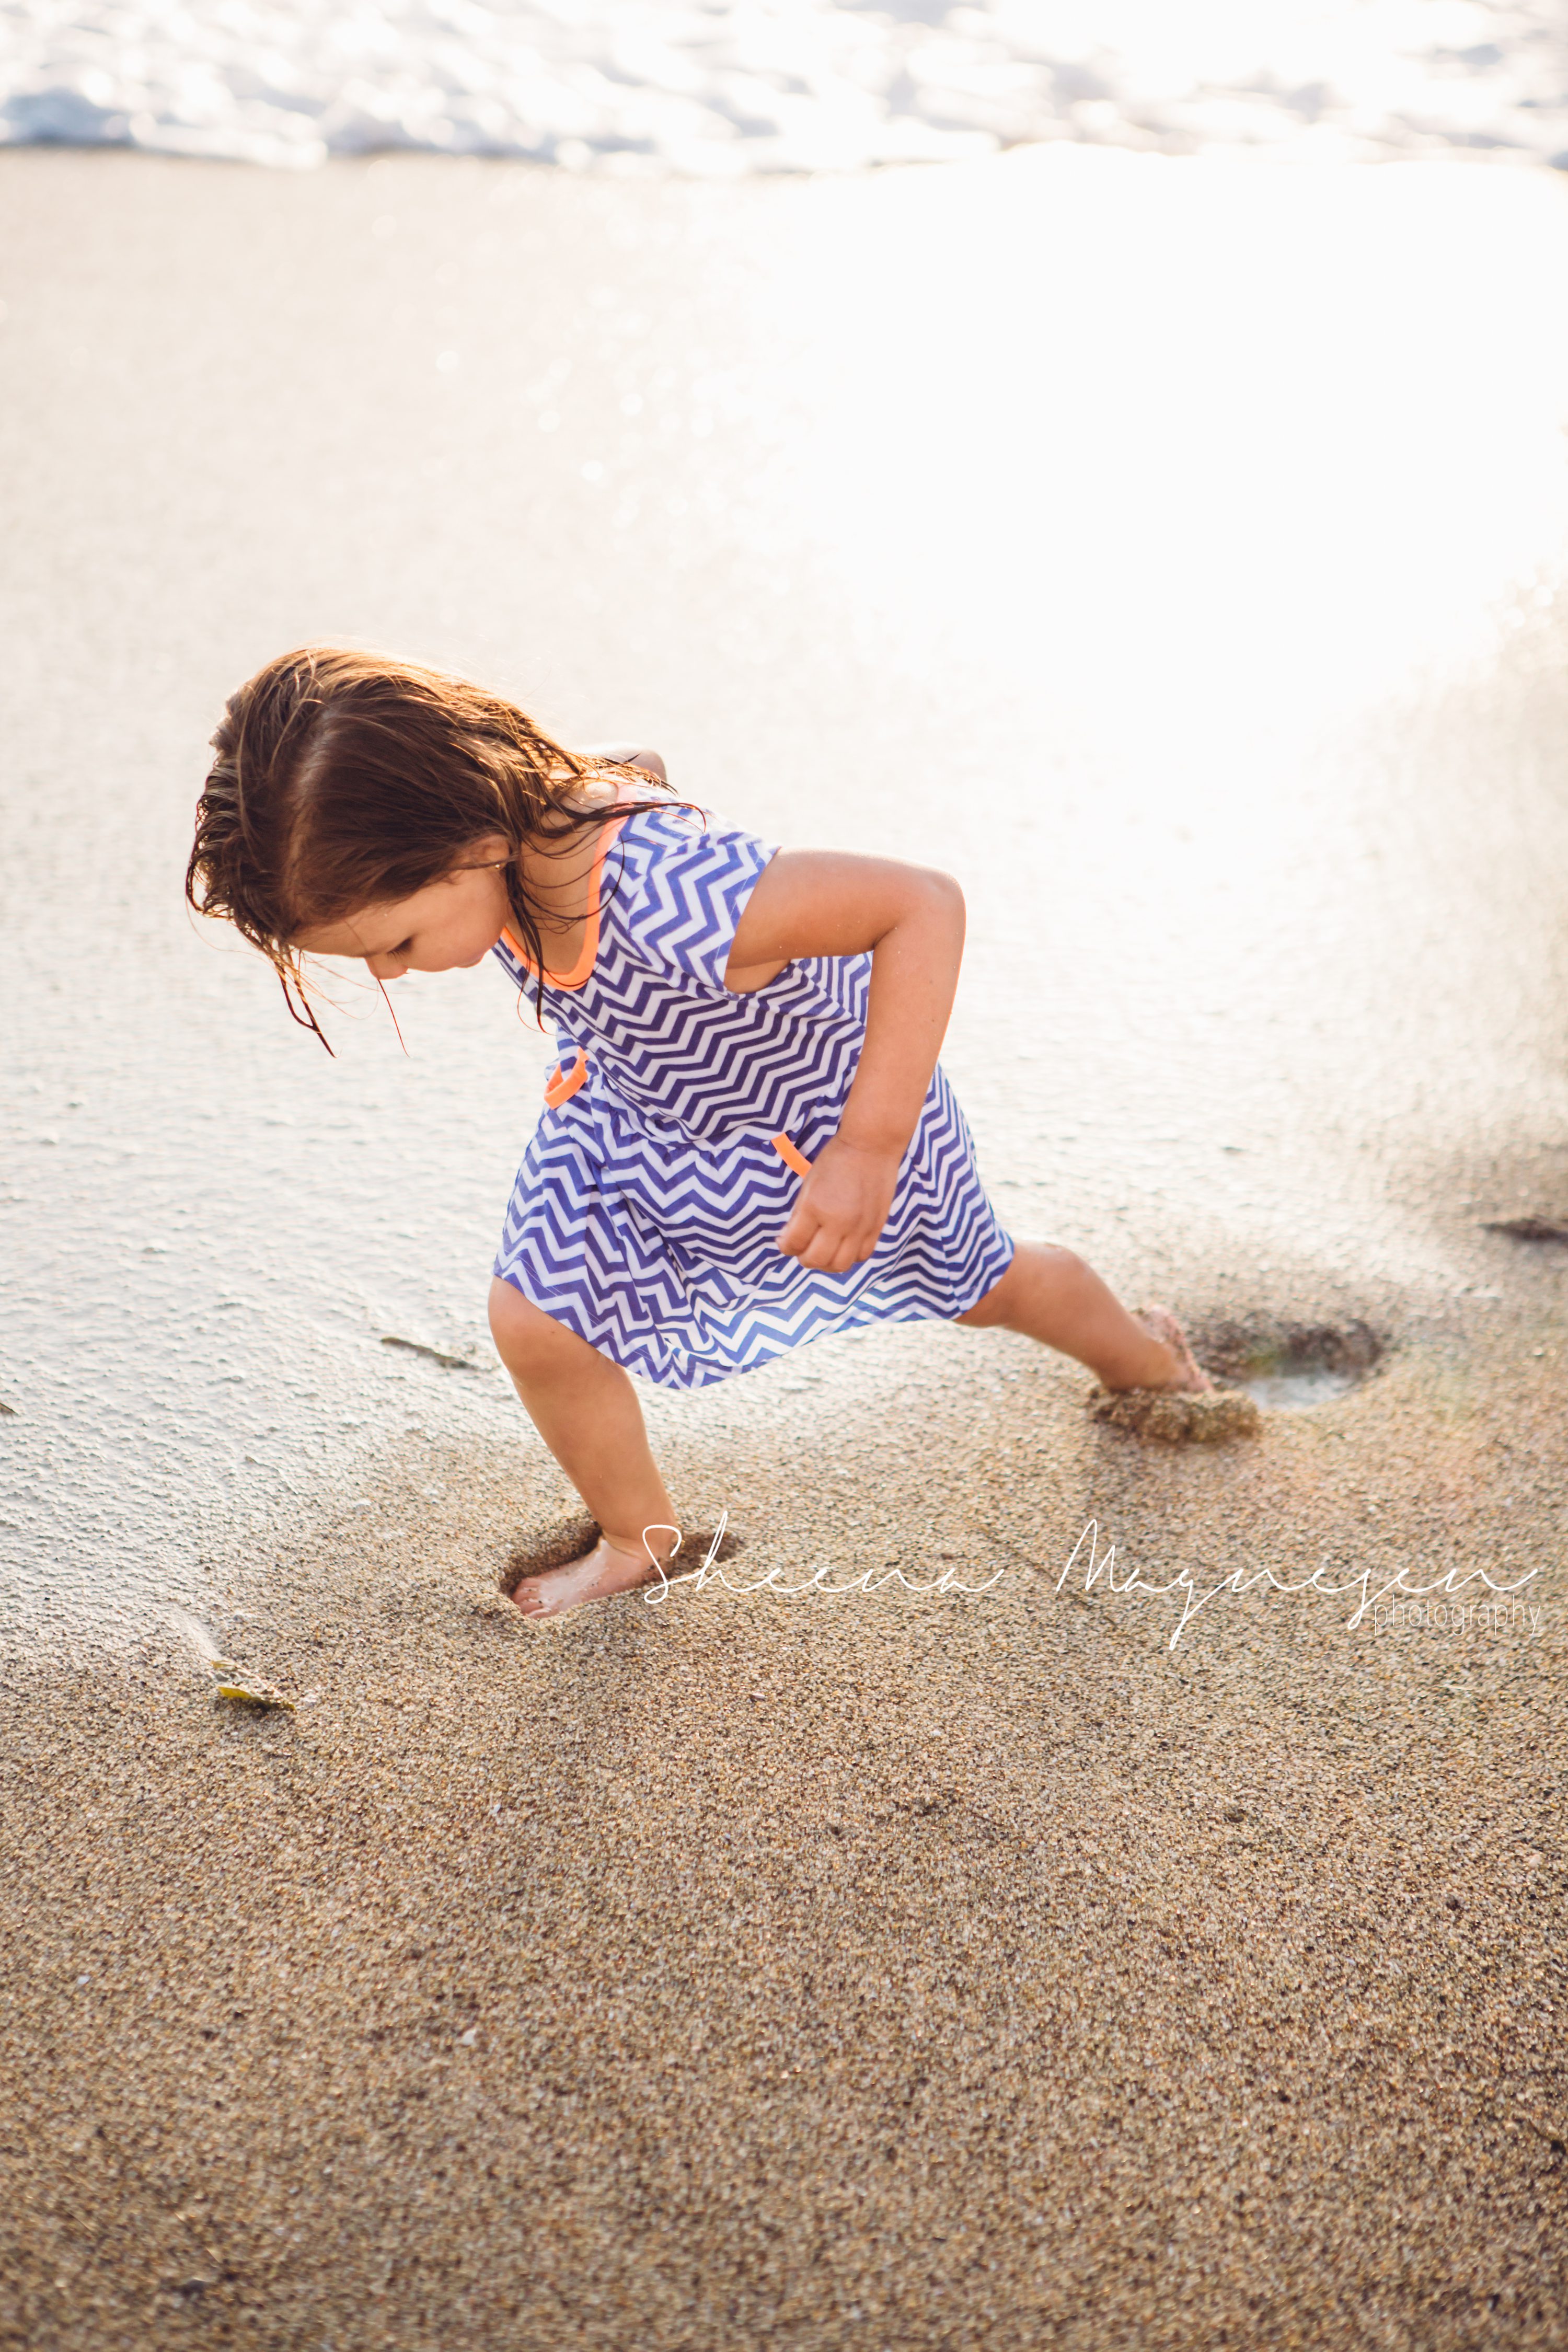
[(1185, 1409), (1188, 1373), (597, 1576)]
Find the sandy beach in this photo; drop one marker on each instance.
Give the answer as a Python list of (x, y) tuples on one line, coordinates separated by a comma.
[(889, 1969)]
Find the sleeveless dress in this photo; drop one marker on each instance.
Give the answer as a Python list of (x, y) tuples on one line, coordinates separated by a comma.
[(647, 1212)]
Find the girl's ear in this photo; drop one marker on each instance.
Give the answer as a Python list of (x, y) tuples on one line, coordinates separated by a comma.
[(493, 849)]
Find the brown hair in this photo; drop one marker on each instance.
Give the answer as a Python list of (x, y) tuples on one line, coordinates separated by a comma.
[(346, 779)]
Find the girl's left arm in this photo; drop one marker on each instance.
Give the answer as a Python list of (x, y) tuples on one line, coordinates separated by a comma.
[(633, 755), (812, 902)]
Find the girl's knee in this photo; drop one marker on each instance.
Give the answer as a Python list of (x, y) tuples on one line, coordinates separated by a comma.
[(1065, 1264), (1032, 1264), (527, 1338), (1059, 1274)]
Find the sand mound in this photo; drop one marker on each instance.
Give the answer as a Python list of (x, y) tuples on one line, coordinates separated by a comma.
[(1178, 1416)]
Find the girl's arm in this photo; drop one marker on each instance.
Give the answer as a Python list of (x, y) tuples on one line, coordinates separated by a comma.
[(814, 902), (634, 755)]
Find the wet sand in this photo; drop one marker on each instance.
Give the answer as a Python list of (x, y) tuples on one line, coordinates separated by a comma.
[(880, 1971)]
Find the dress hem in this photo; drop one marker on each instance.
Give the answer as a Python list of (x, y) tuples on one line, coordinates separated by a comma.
[(706, 1373)]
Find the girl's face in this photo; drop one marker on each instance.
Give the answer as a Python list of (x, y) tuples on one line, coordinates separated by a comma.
[(452, 923)]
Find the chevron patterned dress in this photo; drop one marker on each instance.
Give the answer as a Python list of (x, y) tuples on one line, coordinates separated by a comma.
[(647, 1212)]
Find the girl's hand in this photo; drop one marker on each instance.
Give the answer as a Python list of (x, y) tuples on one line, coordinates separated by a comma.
[(843, 1206)]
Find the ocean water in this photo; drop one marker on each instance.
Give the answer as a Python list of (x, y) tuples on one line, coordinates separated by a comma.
[(733, 87)]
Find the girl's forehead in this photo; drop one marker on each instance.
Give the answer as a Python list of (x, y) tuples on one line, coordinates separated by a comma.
[(364, 932), (343, 937), (367, 918), (385, 923)]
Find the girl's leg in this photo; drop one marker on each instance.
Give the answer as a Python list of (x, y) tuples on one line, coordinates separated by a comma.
[(1050, 1295), (586, 1410)]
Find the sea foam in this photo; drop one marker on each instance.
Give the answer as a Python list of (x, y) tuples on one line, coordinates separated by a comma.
[(734, 87)]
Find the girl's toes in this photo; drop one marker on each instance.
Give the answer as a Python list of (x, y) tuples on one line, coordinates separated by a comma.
[(1160, 1324)]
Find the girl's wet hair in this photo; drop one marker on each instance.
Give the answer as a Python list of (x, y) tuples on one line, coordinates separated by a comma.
[(346, 779)]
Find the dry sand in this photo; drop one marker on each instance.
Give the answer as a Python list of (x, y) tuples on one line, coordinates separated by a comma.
[(880, 1972)]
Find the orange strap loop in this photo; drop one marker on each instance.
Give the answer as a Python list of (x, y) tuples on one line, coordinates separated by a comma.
[(790, 1156), (558, 1089)]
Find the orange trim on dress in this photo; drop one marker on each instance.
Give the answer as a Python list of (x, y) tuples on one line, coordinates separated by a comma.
[(791, 1157), (558, 1090), (589, 953)]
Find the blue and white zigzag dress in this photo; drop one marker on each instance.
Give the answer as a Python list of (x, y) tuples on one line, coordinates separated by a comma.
[(647, 1212)]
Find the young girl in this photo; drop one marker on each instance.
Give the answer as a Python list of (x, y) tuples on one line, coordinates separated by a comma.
[(747, 1140)]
